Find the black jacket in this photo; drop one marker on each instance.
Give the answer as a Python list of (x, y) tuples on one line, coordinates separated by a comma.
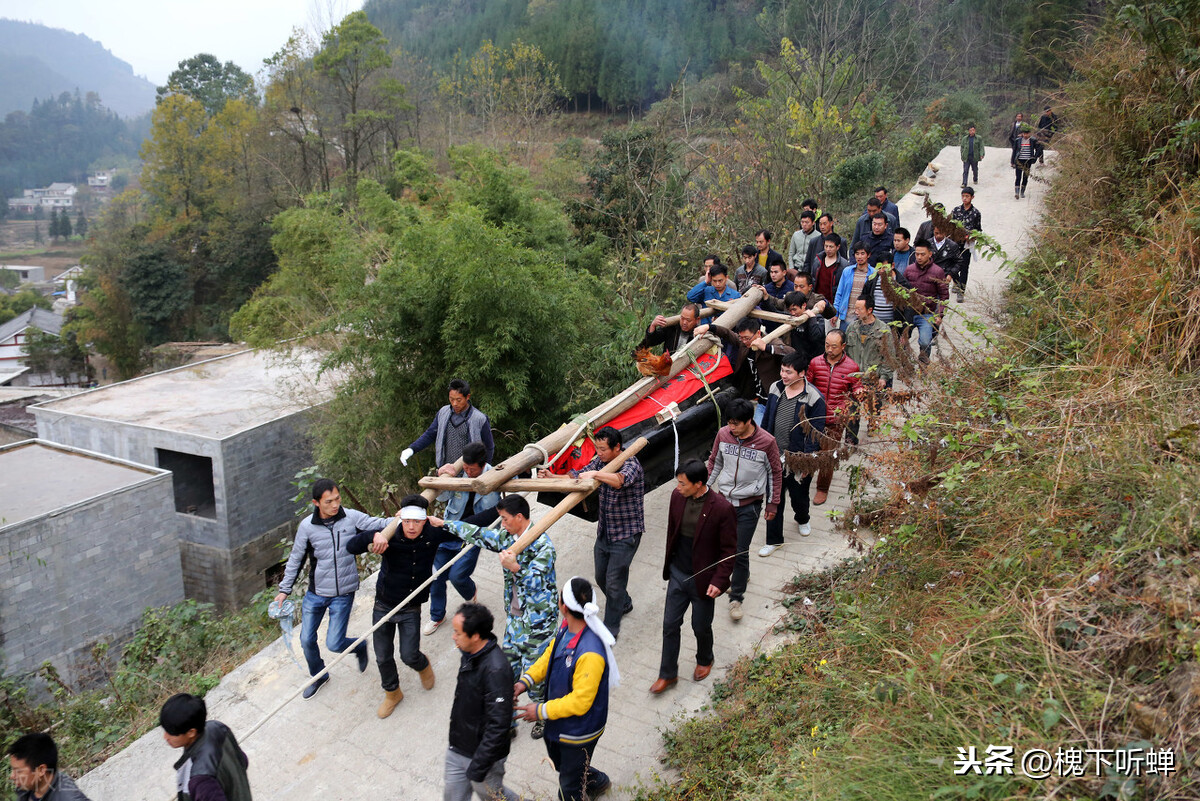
[(1035, 151), (948, 257), (406, 563), (481, 714), (667, 336)]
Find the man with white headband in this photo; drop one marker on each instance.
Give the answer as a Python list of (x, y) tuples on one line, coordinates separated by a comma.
[(322, 537), (407, 563), (578, 669)]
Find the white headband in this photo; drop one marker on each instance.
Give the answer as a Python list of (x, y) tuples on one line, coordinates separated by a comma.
[(591, 616), (413, 513)]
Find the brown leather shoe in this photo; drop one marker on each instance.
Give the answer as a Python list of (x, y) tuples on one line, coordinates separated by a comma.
[(427, 677), (819, 497), (660, 686), (701, 672)]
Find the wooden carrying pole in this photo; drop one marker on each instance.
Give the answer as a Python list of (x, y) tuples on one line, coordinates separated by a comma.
[(432, 492), (759, 314), (532, 455), (557, 484), (550, 518)]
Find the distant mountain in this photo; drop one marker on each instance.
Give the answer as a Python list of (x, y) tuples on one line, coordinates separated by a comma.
[(37, 62)]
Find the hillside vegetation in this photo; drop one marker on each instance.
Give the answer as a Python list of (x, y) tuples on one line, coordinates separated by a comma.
[(1035, 582)]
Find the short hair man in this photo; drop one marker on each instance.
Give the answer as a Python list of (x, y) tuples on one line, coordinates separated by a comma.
[(827, 269), (577, 671), (803, 243), (407, 562), (621, 523), (755, 365), (871, 344), (213, 765), (762, 242), (835, 376), (323, 537), (481, 714), (851, 283), (1047, 129), (879, 240), (459, 506), (971, 150), (701, 543), (901, 250), (795, 416), (886, 205), (968, 216), (672, 337), (863, 226), (33, 763), (529, 581), (1025, 151), (777, 289), (808, 336), (714, 286), (929, 295), (455, 424), (744, 466), (751, 272)]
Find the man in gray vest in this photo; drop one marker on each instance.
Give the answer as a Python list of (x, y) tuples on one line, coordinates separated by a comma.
[(455, 425)]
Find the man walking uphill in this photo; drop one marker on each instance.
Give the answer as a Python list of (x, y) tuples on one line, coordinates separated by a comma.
[(745, 467), (323, 538)]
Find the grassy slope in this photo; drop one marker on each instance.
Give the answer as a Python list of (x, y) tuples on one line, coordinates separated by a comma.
[(1037, 583)]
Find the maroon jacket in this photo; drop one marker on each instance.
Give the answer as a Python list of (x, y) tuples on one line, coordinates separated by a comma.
[(930, 288), (714, 542), (835, 382)]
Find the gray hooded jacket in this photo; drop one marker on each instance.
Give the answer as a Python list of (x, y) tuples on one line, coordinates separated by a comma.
[(335, 571)]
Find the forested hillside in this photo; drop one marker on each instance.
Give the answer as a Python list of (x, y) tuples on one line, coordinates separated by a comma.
[(59, 138), (37, 62), (627, 53)]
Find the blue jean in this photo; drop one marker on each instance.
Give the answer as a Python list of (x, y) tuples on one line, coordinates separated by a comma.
[(760, 411), (314, 607), (924, 326), (459, 575)]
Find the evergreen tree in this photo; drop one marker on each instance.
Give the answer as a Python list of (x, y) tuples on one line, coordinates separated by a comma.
[(37, 233), (54, 227), (64, 224), (81, 225)]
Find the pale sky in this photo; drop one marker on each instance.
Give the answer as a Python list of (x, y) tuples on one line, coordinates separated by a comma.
[(155, 35)]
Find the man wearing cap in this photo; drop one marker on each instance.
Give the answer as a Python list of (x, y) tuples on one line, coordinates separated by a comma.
[(1025, 151), (407, 563), (578, 670)]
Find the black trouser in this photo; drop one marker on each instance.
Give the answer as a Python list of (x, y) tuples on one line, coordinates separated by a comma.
[(972, 166), (964, 266), (682, 593), (747, 521), (794, 489), (1022, 168), (575, 772), (408, 623)]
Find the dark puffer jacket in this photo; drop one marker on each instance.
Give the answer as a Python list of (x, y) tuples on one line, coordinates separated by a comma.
[(836, 382)]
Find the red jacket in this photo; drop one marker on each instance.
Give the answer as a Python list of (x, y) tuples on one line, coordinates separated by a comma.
[(714, 543), (836, 382)]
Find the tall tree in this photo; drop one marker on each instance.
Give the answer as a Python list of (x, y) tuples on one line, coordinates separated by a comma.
[(205, 79), (353, 58), (64, 224)]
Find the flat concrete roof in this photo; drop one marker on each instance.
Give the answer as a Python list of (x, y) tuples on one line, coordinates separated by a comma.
[(53, 477), (215, 398)]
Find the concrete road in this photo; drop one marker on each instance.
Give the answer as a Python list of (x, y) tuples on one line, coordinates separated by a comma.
[(333, 746)]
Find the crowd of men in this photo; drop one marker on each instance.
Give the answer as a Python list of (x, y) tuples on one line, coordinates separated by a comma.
[(850, 302)]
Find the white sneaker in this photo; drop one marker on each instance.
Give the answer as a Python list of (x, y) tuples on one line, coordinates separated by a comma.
[(430, 627), (767, 550), (735, 610), (805, 529)]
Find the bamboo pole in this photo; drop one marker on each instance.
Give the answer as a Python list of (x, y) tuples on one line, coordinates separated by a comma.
[(531, 456), (432, 492), (556, 484), (774, 317), (550, 518)]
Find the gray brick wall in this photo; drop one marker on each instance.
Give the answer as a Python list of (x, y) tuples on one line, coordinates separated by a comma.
[(85, 574)]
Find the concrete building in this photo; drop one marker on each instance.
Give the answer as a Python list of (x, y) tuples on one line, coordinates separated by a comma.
[(232, 431), (69, 580), (14, 350), (26, 273)]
